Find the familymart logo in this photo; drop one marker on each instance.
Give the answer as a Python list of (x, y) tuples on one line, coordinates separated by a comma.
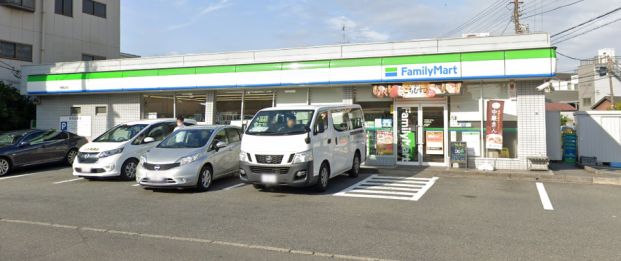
[(422, 70), (391, 71)]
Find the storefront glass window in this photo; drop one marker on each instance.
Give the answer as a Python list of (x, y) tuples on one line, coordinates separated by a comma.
[(379, 126), (191, 105), (469, 117), (157, 106)]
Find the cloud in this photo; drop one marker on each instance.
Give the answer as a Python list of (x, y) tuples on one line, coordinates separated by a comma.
[(220, 4), (354, 32)]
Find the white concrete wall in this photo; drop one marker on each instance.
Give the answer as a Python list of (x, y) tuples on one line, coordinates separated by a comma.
[(121, 108), (553, 132)]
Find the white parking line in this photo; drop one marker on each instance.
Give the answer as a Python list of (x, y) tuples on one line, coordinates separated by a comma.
[(24, 175), (136, 185), (235, 186), (543, 195), (69, 180)]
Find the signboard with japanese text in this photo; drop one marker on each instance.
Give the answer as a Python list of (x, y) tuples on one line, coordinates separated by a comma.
[(493, 125)]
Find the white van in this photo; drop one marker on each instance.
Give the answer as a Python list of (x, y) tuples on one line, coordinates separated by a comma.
[(116, 152), (302, 145)]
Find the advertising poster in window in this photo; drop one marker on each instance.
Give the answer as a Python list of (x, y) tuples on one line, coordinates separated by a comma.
[(493, 125), (384, 141), (435, 142), (416, 90)]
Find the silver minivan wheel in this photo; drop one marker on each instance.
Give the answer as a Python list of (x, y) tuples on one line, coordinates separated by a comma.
[(4, 166), (205, 179)]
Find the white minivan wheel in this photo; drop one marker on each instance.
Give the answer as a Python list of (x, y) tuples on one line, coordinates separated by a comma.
[(128, 170), (324, 177), (355, 167)]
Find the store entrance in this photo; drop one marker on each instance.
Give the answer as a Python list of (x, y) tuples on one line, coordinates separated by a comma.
[(421, 134)]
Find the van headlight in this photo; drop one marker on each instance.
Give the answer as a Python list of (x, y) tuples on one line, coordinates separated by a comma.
[(244, 156), (188, 159), (109, 153), (304, 156)]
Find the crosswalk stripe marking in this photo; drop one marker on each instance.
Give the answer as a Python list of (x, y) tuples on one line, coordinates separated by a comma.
[(387, 187)]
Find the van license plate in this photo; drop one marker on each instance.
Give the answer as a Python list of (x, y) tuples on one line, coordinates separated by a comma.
[(268, 178)]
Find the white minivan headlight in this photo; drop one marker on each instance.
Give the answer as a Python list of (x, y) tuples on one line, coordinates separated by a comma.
[(109, 153), (188, 159), (304, 156), (244, 157)]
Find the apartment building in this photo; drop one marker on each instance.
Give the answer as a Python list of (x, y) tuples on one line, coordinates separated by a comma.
[(49, 31)]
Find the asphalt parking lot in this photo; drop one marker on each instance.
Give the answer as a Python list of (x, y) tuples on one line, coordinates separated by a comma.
[(47, 214)]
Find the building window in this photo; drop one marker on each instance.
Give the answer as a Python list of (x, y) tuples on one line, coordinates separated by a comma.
[(100, 110), (90, 57), (75, 111), (16, 51), (94, 8), (586, 102), (64, 7), (26, 5)]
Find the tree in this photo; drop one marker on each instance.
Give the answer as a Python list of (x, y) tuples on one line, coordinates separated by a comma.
[(618, 106), (16, 110)]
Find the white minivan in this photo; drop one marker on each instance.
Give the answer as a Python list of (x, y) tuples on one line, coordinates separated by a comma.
[(116, 152), (302, 145)]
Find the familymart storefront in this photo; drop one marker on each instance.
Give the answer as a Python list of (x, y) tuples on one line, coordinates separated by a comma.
[(418, 96)]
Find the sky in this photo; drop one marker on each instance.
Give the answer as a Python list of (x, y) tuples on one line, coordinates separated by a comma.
[(168, 27)]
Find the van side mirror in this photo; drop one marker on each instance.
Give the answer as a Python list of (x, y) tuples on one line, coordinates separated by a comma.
[(308, 138), (148, 140)]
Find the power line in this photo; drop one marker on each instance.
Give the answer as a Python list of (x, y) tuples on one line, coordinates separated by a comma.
[(583, 23), (589, 31), (475, 18), (552, 10), (570, 57)]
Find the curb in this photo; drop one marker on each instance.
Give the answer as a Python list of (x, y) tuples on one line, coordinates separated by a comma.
[(534, 176)]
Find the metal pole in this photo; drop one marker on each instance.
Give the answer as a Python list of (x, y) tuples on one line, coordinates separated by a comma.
[(241, 115), (174, 105), (516, 16), (612, 95)]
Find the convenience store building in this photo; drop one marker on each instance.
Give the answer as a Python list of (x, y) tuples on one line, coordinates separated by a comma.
[(418, 96)]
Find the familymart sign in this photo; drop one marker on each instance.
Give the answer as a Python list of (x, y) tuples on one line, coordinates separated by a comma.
[(430, 67)]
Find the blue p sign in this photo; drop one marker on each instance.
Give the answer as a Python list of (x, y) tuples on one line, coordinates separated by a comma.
[(63, 126)]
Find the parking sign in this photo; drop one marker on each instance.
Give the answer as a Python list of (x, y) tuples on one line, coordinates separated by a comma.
[(63, 126)]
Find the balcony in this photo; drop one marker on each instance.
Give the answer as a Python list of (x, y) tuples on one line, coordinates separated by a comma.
[(25, 5)]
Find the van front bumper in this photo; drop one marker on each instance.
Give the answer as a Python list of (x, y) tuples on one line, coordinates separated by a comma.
[(292, 175)]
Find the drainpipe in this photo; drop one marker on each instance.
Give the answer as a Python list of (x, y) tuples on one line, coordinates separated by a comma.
[(41, 30)]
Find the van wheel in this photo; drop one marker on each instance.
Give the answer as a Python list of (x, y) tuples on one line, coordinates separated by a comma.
[(205, 178), (128, 170), (324, 177), (5, 166), (259, 186), (355, 168), (70, 157)]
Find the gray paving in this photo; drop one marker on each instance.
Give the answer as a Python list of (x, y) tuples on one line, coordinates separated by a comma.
[(472, 218)]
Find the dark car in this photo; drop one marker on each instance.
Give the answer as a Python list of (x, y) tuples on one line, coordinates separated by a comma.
[(31, 147)]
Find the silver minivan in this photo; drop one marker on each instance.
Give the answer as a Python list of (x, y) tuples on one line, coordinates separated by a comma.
[(191, 157)]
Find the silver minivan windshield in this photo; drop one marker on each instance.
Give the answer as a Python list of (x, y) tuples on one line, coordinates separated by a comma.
[(121, 133), (280, 122), (186, 139)]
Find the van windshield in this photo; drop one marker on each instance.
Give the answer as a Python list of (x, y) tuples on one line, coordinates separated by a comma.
[(280, 122), (121, 133)]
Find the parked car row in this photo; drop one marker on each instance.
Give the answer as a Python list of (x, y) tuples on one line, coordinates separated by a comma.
[(282, 146)]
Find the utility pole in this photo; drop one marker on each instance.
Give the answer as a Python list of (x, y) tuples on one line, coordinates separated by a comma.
[(612, 95), (516, 16)]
